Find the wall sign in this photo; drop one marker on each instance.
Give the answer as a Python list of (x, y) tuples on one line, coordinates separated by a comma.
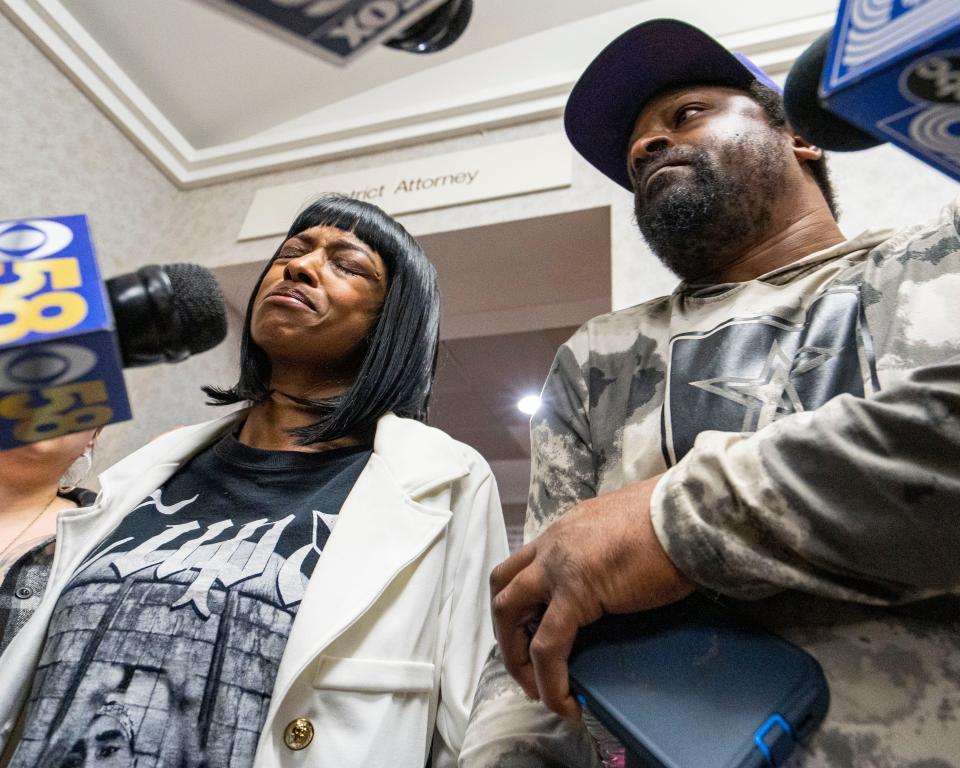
[(487, 173)]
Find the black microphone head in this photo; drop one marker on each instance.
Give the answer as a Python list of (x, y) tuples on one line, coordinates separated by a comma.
[(801, 99), (198, 300), (437, 30), (165, 314)]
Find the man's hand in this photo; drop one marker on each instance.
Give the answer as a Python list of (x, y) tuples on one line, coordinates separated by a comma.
[(601, 557)]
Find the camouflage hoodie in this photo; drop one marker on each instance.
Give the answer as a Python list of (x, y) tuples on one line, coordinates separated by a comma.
[(809, 425)]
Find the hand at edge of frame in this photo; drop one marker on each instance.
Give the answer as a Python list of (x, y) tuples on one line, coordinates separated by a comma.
[(601, 556)]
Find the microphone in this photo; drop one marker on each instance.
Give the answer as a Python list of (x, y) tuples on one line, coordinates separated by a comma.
[(164, 314), (888, 72), (64, 334), (806, 113), (341, 30), (437, 30)]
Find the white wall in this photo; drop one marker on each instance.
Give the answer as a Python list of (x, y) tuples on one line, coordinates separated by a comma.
[(60, 156)]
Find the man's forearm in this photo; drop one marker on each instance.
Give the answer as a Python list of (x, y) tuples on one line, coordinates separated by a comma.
[(859, 500)]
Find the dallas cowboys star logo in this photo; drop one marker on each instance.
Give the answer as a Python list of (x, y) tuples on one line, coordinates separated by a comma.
[(773, 393), (747, 372)]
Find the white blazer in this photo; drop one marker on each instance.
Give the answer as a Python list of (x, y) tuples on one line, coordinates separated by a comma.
[(384, 663)]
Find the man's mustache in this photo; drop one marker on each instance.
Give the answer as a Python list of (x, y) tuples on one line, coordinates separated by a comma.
[(644, 169)]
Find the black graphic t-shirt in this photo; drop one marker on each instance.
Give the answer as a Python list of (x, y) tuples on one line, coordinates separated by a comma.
[(163, 648)]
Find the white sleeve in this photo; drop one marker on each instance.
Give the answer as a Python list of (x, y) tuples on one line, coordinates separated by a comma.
[(482, 545)]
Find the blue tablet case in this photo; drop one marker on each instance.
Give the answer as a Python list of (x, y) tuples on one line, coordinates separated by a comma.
[(692, 685)]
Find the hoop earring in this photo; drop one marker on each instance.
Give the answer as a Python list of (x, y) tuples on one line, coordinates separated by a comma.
[(76, 472)]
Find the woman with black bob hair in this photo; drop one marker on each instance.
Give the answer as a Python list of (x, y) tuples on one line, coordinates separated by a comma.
[(301, 582), (397, 369)]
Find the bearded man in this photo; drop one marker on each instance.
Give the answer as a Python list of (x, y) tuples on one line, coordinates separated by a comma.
[(783, 429)]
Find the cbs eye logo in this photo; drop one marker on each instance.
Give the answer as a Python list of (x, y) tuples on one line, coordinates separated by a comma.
[(40, 290), (47, 366), (32, 239), (54, 403), (934, 79), (933, 83)]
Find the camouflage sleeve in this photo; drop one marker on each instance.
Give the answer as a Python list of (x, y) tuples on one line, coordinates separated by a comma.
[(562, 464), (506, 728), (860, 499)]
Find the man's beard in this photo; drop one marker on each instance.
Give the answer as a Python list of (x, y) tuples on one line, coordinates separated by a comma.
[(702, 223)]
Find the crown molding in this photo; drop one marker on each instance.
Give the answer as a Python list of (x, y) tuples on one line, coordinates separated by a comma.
[(67, 44)]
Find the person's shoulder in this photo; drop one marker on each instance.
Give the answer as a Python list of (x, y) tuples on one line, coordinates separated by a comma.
[(614, 336), (927, 241), (631, 320), (434, 436), (471, 457), (403, 440)]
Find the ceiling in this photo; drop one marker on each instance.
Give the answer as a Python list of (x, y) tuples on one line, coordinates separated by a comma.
[(209, 98), (220, 80)]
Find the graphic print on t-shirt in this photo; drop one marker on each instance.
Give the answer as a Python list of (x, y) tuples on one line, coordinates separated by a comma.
[(748, 372), (163, 648)]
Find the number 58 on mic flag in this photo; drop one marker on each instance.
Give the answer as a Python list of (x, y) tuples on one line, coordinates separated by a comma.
[(335, 30), (60, 369)]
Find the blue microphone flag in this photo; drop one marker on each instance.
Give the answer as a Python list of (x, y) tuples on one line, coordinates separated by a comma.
[(60, 368), (894, 71)]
